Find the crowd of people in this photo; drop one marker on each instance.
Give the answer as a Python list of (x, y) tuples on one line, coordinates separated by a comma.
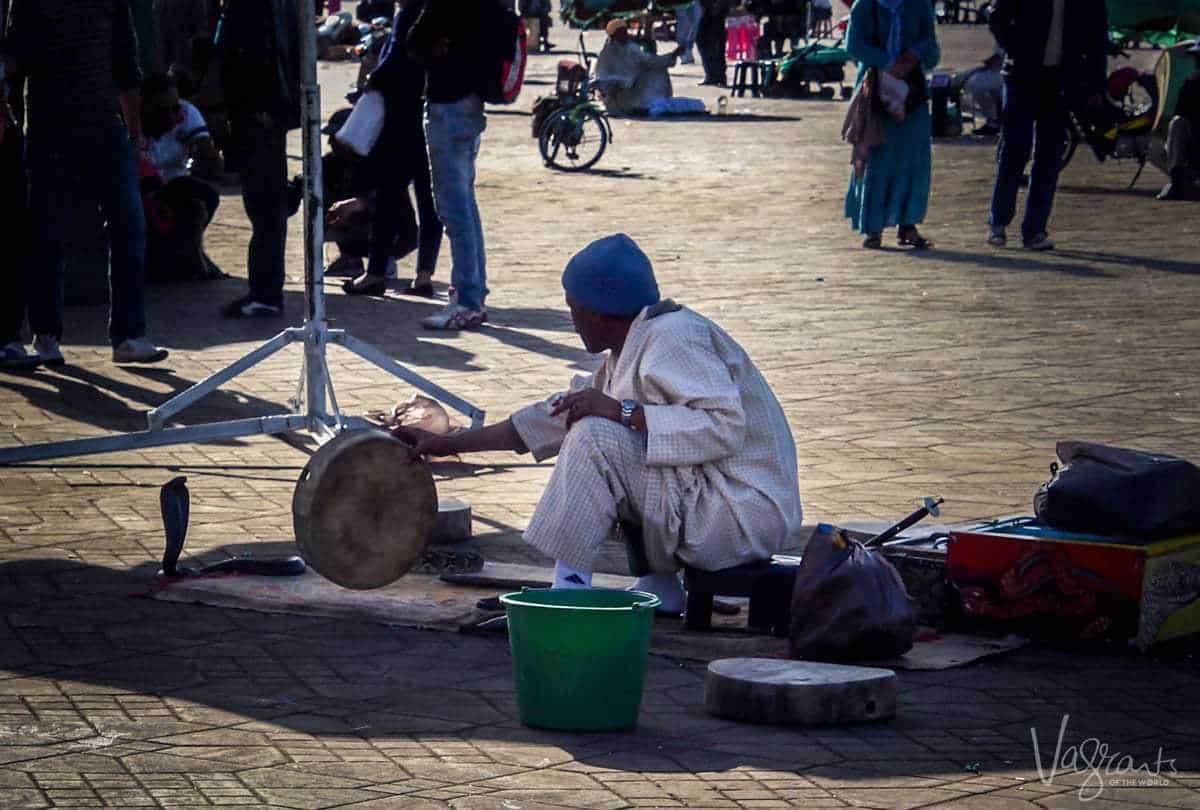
[(1051, 58), (212, 106)]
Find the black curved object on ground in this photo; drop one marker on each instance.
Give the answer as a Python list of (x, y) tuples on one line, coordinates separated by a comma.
[(175, 503)]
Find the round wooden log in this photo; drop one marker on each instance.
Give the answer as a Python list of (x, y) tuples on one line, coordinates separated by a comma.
[(770, 690)]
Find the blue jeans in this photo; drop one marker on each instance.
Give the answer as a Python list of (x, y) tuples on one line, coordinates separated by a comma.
[(262, 161), (1034, 122), (687, 20), (452, 135), (104, 161)]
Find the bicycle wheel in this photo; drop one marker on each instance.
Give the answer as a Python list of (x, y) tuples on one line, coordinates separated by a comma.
[(573, 140)]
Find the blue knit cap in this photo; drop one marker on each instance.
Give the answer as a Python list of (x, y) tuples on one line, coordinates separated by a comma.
[(611, 276)]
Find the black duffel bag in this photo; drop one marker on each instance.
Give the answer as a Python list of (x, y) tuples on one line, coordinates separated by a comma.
[(1118, 492)]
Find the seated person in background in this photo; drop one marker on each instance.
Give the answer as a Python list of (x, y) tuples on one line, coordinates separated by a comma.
[(178, 210), (676, 436), (986, 86), (1183, 139), (630, 77), (350, 189)]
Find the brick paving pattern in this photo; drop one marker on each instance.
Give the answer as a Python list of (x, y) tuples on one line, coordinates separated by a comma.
[(902, 375)]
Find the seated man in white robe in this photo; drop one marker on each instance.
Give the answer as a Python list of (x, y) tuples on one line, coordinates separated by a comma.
[(676, 434), (630, 78)]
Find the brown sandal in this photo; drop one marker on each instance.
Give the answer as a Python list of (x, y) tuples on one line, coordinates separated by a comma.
[(910, 237), (874, 241)]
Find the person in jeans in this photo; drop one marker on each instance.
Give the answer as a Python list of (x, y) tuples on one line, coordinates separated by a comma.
[(448, 38), (261, 72), (687, 20), (1057, 53), (398, 161), (81, 60)]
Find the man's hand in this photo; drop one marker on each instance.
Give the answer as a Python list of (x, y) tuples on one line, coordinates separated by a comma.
[(588, 402), (342, 211), (423, 443)]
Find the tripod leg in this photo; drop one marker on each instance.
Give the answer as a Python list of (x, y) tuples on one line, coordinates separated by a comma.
[(373, 355)]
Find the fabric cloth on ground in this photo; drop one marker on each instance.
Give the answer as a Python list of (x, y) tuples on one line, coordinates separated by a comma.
[(675, 106), (636, 78), (171, 150), (894, 188), (713, 481)]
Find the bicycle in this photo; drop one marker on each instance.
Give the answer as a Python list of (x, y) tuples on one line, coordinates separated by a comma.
[(575, 135)]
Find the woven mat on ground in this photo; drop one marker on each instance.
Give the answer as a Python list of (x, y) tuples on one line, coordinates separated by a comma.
[(420, 600)]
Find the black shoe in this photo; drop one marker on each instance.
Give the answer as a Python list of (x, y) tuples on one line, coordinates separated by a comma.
[(369, 285), (248, 307), (421, 290)]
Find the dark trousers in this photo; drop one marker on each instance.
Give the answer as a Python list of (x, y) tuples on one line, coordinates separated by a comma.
[(177, 253), (14, 234), (104, 161), (710, 40), (1034, 122), (262, 159), (393, 223)]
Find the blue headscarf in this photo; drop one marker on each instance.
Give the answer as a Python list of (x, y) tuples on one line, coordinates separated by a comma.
[(894, 34), (611, 276)]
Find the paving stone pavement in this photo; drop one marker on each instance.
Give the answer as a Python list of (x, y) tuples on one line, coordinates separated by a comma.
[(952, 372)]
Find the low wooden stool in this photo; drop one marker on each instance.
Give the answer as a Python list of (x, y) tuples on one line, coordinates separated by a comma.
[(747, 76), (768, 584)]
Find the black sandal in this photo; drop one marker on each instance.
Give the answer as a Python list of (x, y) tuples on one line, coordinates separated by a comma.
[(874, 241), (374, 286), (911, 237)]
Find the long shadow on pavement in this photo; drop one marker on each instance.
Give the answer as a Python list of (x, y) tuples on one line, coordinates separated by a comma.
[(219, 690)]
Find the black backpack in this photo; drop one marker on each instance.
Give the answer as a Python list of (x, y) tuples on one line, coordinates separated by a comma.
[(1116, 492)]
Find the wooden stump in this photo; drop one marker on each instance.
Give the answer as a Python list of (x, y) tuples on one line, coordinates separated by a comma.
[(769, 690)]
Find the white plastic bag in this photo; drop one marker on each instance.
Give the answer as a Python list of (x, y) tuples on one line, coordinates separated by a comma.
[(361, 131)]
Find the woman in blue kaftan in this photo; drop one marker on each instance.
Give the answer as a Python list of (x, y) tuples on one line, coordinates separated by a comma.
[(896, 36)]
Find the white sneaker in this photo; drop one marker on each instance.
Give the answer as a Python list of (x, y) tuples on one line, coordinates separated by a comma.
[(997, 237), (47, 348), (138, 350), (667, 587), (14, 357), (1041, 242), (455, 316)]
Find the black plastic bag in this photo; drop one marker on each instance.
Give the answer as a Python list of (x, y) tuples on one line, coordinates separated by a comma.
[(848, 603), (1117, 492)]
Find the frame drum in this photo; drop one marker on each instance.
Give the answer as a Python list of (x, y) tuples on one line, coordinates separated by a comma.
[(361, 512)]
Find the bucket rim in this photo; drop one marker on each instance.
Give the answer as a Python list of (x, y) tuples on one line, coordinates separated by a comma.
[(513, 598)]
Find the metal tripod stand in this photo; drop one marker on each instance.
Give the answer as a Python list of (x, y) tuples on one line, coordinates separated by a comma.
[(308, 408)]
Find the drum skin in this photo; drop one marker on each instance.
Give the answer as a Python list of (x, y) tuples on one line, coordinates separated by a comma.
[(361, 512)]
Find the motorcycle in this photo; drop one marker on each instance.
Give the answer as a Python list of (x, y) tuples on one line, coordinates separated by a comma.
[(1121, 127)]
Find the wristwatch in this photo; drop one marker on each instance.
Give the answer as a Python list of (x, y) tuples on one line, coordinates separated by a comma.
[(628, 406)]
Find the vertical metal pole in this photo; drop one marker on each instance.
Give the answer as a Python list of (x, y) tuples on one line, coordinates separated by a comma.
[(314, 224)]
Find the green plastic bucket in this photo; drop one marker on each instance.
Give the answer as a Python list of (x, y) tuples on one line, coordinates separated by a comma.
[(579, 656)]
